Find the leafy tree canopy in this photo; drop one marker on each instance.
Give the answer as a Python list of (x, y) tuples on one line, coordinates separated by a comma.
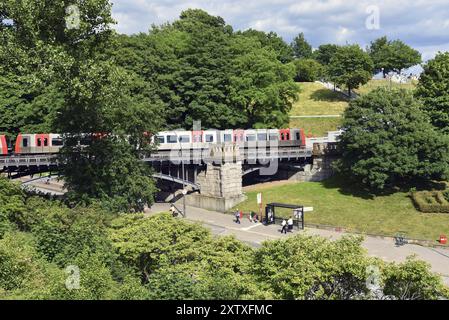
[(301, 48), (388, 141), (308, 70), (194, 63), (350, 67), (391, 56), (325, 53), (433, 90)]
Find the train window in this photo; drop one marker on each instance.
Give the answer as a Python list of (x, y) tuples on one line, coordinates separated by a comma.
[(251, 137), (160, 139), (45, 142), (25, 142), (227, 138), (209, 138), (261, 137), (274, 137), (298, 137), (56, 142), (39, 142), (184, 139), (172, 139)]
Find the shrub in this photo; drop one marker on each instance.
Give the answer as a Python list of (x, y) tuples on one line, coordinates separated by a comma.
[(431, 201)]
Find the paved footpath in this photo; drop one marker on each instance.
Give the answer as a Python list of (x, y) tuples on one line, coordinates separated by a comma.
[(254, 234)]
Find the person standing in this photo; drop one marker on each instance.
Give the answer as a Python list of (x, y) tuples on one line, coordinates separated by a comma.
[(290, 225), (284, 226), (172, 210)]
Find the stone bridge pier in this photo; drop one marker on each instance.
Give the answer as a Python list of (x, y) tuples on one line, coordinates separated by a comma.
[(220, 179)]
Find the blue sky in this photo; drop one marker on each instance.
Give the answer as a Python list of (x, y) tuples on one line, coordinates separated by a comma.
[(424, 24)]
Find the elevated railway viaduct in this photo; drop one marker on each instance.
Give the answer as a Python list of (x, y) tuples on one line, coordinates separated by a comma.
[(212, 177)]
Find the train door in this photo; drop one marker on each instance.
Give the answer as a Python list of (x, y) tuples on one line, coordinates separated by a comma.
[(285, 134), (197, 136), (239, 136), (3, 146), (303, 137), (42, 143)]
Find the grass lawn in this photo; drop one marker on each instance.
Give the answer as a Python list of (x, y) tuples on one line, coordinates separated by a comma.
[(316, 126), (373, 84), (314, 99), (334, 205)]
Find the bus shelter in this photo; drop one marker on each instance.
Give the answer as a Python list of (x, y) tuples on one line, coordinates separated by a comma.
[(297, 214)]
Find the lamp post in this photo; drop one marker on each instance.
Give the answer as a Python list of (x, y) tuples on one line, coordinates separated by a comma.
[(184, 190)]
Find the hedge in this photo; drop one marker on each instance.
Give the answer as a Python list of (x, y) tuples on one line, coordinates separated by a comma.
[(430, 201)]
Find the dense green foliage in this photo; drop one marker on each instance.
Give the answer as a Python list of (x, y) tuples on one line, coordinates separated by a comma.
[(35, 44), (204, 71), (324, 53), (351, 67), (308, 70), (84, 93), (301, 48), (271, 41), (131, 256), (389, 141), (393, 56), (433, 90)]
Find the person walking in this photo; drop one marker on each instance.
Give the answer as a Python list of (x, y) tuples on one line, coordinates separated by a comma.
[(290, 225), (237, 216), (284, 226)]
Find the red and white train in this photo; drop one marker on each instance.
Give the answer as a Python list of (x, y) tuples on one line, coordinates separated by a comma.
[(47, 143)]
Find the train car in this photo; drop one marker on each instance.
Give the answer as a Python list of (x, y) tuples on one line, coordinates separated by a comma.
[(168, 140), (3, 146), (42, 143)]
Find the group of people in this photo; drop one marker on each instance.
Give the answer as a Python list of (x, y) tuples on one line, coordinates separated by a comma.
[(253, 217), (287, 225)]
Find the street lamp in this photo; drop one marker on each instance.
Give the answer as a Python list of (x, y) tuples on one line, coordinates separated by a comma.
[(184, 190)]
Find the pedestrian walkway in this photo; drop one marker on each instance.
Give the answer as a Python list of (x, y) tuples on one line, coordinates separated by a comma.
[(331, 86), (254, 234)]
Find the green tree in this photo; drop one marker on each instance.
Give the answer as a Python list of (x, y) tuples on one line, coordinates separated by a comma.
[(94, 92), (24, 274), (301, 48), (350, 67), (272, 41), (261, 87), (308, 70), (193, 65), (26, 108), (325, 53), (433, 90), (12, 203), (180, 260), (413, 280), (37, 42), (305, 267), (388, 141), (391, 56)]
